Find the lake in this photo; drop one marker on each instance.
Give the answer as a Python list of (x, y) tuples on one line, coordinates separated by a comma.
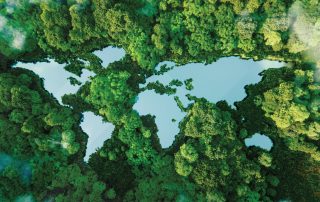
[(221, 80)]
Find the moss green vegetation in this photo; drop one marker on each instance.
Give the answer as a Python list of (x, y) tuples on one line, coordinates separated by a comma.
[(42, 146)]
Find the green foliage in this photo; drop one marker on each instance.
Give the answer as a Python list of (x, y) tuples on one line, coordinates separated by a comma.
[(17, 35), (111, 194), (74, 81), (265, 159), (299, 175), (282, 102), (212, 157), (160, 88), (42, 145), (288, 105), (188, 84), (246, 27), (165, 185), (179, 103), (152, 31), (111, 94), (112, 168), (70, 184), (163, 70), (36, 130), (176, 82)]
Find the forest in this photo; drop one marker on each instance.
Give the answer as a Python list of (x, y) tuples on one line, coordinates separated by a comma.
[(42, 145)]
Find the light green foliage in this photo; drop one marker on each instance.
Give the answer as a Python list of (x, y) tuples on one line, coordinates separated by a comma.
[(265, 159), (200, 23), (288, 105), (183, 167), (152, 31), (189, 153), (273, 39), (272, 29), (204, 121), (208, 160), (82, 22), (289, 92), (68, 142), (213, 159), (63, 118), (110, 92), (55, 20), (252, 6), (245, 28), (225, 22)]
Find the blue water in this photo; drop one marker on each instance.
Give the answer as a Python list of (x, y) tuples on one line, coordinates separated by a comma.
[(97, 130), (222, 80), (259, 140), (56, 82)]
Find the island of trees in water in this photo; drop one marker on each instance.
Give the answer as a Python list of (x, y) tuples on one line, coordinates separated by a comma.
[(42, 145)]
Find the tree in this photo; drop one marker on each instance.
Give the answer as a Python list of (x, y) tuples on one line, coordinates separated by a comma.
[(109, 92), (298, 174), (42, 145), (16, 31), (246, 27), (211, 155), (288, 106), (71, 184), (38, 137)]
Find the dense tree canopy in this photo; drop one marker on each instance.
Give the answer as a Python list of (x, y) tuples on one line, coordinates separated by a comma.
[(284, 105), (42, 145), (38, 139), (212, 155), (155, 30), (290, 103)]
